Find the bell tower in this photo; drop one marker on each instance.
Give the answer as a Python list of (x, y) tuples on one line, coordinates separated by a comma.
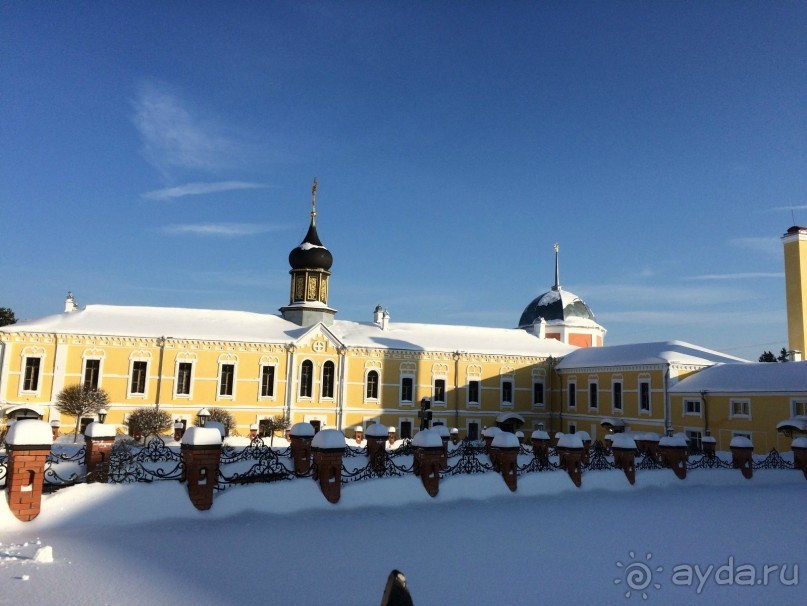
[(310, 264), (795, 244)]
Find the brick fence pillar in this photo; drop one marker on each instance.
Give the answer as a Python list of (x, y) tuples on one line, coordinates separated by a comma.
[(328, 448), (301, 436), (624, 449), (98, 441), (507, 446), (742, 456), (570, 455), (799, 448), (201, 457), (428, 450), (28, 444), (377, 436), (674, 453)]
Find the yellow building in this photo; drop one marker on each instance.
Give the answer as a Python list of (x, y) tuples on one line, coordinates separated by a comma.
[(795, 251), (304, 364)]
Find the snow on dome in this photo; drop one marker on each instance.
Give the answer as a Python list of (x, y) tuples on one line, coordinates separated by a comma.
[(442, 430), (29, 432), (505, 439), (621, 440), (799, 442), (539, 434), (99, 430), (303, 430), (557, 306), (570, 440), (740, 442), (377, 430), (327, 439), (490, 432), (201, 436), (427, 438)]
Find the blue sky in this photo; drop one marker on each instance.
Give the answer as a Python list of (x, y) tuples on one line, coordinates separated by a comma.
[(162, 153)]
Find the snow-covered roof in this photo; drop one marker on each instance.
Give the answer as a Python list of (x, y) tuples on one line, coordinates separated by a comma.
[(660, 352), (29, 432), (201, 436), (790, 377), (241, 326)]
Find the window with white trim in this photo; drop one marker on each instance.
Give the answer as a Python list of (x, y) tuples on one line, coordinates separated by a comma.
[(692, 408), (267, 381), (694, 440), (439, 392), (616, 395), (473, 393), (138, 376), (507, 392), (306, 378), (371, 386), (30, 382), (327, 380), (799, 408), (407, 389), (538, 394), (644, 396), (593, 395), (740, 409), (92, 373), (184, 376), (226, 380), (571, 391)]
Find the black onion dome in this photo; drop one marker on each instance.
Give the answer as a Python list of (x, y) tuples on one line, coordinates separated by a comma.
[(555, 305), (311, 254)]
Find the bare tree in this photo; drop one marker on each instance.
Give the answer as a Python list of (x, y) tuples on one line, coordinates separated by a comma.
[(220, 415), (76, 401), (148, 422), (278, 423)]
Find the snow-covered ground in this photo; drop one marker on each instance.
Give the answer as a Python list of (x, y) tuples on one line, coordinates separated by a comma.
[(476, 543)]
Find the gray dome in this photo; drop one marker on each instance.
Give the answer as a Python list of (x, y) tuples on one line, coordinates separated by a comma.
[(556, 305)]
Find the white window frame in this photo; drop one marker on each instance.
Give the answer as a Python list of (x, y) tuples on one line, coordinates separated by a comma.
[(93, 354), (184, 358), (694, 413), (596, 384), (621, 383), (267, 364), (745, 403), (542, 403), (31, 353), (649, 409), (411, 420), (468, 427), (310, 396), (334, 389), (403, 402), (473, 404), (224, 360), (138, 356), (366, 384), (795, 405), (504, 403)]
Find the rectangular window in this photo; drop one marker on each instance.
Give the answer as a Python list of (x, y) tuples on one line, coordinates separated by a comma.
[(406, 430), (473, 430), (184, 378), (31, 380), (695, 440), (226, 379), (407, 389), (92, 370), (267, 381), (800, 408), (138, 383), (439, 390), (593, 401), (507, 392), (617, 394), (538, 394), (572, 428), (473, 392), (644, 396), (692, 407), (572, 395), (740, 408)]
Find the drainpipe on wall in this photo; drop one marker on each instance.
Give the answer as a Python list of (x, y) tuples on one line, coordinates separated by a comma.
[(706, 430), (456, 357), (290, 388), (161, 342), (667, 412)]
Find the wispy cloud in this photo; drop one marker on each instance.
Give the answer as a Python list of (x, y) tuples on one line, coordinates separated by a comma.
[(220, 229), (801, 207), (197, 189), (739, 276), (173, 137), (768, 246), (664, 294)]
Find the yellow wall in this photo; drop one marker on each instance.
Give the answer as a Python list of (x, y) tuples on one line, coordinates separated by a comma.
[(795, 253)]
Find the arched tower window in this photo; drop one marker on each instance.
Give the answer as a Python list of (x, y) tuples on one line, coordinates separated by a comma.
[(306, 378), (327, 379), (372, 385)]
